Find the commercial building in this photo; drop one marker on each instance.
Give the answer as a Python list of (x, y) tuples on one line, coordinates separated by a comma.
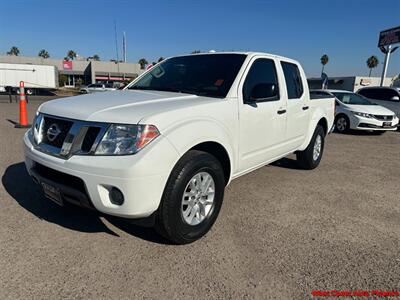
[(349, 83), (82, 71)]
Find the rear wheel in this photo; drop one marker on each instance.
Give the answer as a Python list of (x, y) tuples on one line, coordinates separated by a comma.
[(192, 198), (310, 157), (342, 123)]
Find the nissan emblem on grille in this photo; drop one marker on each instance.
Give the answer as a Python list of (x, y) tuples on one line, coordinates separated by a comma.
[(53, 132)]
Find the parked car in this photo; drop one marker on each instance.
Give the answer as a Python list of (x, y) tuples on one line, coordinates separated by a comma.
[(380, 93), (97, 87), (162, 150), (354, 111), (385, 96)]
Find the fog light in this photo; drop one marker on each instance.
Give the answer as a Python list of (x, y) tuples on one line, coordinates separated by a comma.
[(116, 196)]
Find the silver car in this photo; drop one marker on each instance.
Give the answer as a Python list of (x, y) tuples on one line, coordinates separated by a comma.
[(97, 87)]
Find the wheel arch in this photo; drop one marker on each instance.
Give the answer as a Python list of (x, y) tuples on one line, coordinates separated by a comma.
[(220, 153), (324, 124)]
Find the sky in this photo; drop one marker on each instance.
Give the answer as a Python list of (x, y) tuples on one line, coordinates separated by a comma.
[(346, 30)]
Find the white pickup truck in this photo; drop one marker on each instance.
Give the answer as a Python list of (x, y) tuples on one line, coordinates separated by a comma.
[(162, 150)]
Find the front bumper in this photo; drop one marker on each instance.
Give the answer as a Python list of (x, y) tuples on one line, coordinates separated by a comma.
[(362, 123), (87, 180)]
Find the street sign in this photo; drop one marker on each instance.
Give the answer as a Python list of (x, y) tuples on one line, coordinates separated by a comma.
[(389, 37)]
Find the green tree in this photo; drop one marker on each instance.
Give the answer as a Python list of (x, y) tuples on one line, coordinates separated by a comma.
[(142, 62), (71, 54), (96, 57), (160, 59), (195, 51), (13, 51), (43, 53), (62, 79), (372, 62), (324, 61)]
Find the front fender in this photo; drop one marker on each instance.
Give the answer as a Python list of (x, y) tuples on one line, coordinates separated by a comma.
[(191, 132)]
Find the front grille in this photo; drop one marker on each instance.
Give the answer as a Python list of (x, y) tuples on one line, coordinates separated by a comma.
[(367, 125), (65, 137), (60, 178), (90, 138), (72, 188), (62, 125), (383, 118)]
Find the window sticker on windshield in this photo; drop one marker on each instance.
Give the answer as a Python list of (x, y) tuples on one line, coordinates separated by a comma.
[(157, 72), (219, 82), (346, 99)]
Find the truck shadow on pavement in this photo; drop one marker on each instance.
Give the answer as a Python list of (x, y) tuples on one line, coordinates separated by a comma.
[(287, 163), (21, 187)]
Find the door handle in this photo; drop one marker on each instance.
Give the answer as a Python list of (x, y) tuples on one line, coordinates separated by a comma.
[(305, 107), (281, 111)]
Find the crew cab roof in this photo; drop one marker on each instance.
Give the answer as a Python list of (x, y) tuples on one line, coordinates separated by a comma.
[(247, 53)]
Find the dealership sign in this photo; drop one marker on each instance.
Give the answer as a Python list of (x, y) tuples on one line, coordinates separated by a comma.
[(67, 65), (389, 37)]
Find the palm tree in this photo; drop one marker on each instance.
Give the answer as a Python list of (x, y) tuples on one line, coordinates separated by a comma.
[(160, 59), (43, 53), (71, 54), (324, 61), (96, 57), (372, 62), (13, 51), (142, 62)]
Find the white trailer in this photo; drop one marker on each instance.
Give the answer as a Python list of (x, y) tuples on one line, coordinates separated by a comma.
[(35, 77)]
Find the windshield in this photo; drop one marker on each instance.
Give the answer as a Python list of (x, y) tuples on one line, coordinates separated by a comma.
[(352, 98), (208, 75)]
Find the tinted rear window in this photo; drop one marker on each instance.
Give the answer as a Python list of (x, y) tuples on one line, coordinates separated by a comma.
[(294, 85), (378, 94)]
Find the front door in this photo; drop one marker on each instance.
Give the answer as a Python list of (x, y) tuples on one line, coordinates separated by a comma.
[(263, 122)]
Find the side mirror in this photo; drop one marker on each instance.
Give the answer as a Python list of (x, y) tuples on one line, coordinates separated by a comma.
[(264, 92), (395, 98)]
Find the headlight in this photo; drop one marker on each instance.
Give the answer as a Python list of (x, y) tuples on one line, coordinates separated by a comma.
[(365, 115), (126, 139)]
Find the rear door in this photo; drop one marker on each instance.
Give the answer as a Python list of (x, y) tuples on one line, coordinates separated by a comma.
[(297, 105), (262, 123)]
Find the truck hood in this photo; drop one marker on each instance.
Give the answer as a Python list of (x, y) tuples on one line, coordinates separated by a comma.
[(126, 106), (370, 109)]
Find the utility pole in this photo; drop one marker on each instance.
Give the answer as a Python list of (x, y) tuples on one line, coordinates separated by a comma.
[(116, 43), (124, 46), (385, 64)]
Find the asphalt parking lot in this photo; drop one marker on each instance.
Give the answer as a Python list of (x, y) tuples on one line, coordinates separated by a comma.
[(282, 232)]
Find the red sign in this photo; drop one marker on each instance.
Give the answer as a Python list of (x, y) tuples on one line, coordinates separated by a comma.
[(67, 65)]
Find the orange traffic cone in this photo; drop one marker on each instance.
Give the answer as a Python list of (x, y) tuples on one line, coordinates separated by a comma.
[(23, 114)]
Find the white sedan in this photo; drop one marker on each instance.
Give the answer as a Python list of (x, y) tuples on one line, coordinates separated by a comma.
[(97, 87), (356, 112)]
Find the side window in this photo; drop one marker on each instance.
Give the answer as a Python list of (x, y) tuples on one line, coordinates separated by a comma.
[(294, 84), (387, 94), (262, 74)]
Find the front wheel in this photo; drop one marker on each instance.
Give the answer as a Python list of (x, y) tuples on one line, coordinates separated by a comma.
[(310, 158), (192, 198)]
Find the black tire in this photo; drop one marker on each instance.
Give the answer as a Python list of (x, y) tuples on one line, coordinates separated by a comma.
[(170, 222), (305, 158), (339, 125)]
